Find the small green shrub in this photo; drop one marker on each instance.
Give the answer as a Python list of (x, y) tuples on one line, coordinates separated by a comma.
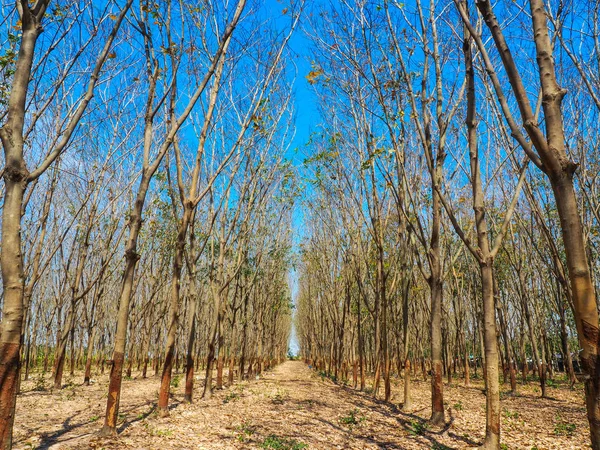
[(417, 428), (458, 406), (351, 418), (563, 428), (277, 443), (279, 396), (163, 433), (246, 430), (329, 376), (278, 399), (175, 381), (231, 397)]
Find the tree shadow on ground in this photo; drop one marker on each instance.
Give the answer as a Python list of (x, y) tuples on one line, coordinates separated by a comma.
[(408, 420), (60, 436), (127, 423), (49, 439)]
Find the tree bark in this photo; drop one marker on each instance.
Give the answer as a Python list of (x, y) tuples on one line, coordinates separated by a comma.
[(131, 258), (11, 258)]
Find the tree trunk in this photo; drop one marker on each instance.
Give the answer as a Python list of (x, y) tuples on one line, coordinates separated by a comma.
[(559, 169), (492, 385), (89, 356), (436, 290), (131, 258), (61, 349), (165, 385), (189, 361), (11, 258)]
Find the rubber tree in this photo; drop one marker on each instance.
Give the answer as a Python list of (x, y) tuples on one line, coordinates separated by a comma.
[(17, 177), (547, 149), (149, 167)]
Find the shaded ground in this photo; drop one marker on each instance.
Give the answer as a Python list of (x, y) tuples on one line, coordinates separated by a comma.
[(292, 407)]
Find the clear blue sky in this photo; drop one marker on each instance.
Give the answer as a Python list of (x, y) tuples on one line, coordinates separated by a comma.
[(305, 122)]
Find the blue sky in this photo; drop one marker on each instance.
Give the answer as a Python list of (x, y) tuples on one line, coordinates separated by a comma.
[(306, 120)]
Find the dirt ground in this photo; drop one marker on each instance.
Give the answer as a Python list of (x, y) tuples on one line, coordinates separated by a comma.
[(292, 408)]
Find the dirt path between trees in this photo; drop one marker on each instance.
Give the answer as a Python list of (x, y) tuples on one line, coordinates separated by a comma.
[(292, 407)]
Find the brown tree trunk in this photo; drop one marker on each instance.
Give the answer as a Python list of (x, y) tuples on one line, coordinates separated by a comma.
[(131, 258), (61, 349), (89, 357), (16, 177), (553, 159), (437, 394), (564, 340), (505, 336), (436, 289), (492, 385), (466, 364), (11, 259), (189, 361), (207, 392), (220, 364), (165, 385)]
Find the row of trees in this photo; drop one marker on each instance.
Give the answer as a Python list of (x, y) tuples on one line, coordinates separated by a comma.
[(147, 200), (447, 147)]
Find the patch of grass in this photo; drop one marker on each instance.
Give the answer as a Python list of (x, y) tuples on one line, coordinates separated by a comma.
[(163, 433), (278, 443), (563, 428), (503, 446), (175, 381), (551, 383), (231, 397), (245, 431), (511, 414), (417, 428), (351, 418), (279, 397), (458, 406), (94, 418), (325, 375)]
